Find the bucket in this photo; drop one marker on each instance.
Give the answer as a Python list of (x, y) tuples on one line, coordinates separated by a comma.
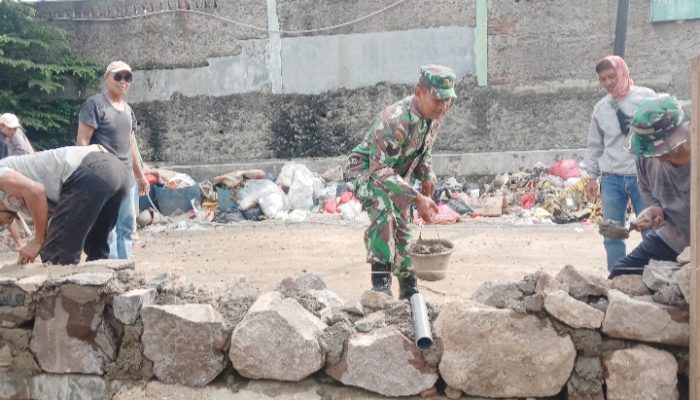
[(430, 267), (170, 200)]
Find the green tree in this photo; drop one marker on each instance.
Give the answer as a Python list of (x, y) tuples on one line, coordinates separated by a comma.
[(36, 63)]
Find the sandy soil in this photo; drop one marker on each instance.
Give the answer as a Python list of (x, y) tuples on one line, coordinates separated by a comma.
[(267, 252)]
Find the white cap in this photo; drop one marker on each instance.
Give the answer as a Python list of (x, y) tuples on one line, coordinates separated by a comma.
[(116, 66), (9, 120)]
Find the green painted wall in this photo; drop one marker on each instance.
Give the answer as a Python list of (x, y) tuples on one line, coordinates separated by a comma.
[(673, 10)]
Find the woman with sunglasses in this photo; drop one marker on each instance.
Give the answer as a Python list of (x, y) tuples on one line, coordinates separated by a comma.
[(106, 119)]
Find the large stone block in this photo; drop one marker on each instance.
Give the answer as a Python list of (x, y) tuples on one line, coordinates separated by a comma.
[(383, 361), (185, 342), (641, 373), (572, 312), (71, 333), (127, 306), (581, 285), (277, 339), (500, 353), (645, 321)]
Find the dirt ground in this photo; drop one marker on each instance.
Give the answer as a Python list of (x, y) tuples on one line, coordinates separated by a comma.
[(269, 251)]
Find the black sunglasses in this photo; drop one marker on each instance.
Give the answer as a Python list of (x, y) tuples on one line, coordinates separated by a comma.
[(127, 77)]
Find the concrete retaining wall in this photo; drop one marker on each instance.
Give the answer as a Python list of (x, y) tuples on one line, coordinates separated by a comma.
[(90, 330)]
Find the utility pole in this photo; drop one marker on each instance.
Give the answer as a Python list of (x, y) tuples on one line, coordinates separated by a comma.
[(623, 9)]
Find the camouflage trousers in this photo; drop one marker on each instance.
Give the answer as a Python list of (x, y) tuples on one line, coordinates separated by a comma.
[(387, 237)]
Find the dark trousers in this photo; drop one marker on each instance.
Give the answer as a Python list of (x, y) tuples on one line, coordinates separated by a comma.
[(651, 248), (86, 211)]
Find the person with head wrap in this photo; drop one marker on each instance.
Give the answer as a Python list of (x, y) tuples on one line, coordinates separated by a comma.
[(607, 160), (660, 138)]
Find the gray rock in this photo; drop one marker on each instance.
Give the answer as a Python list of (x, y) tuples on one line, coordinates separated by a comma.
[(499, 293), (31, 284), (631, 285), (127, 306), (330, 316), (587, 342), (581, 285), (14, 352), (375, 301), (12, 317), (641, 373), (682, 278), (453, 393), (310, 281), (572, 312), (186, 343), (100, 278), (277, 339), (71, 334), (383, 361), (658, 274), (51, 387), (11, 296), (587, 378), (333, 339), (644, 321), (534, 303), (354, 307), (327, 298), (546, 283), (370, 322), (506, 355), (670, 295)]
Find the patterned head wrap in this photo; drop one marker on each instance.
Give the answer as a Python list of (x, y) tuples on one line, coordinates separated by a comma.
[(624, 82)]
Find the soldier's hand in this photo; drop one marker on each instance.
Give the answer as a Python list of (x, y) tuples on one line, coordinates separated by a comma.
[(651, 218), (591, 190), (427, 188), (425, 205)]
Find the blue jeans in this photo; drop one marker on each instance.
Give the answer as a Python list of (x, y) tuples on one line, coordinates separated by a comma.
[(120, 237), (615, 191), (651, 248)]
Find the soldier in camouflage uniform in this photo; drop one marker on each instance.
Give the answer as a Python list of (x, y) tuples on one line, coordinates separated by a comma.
[(397, 148)]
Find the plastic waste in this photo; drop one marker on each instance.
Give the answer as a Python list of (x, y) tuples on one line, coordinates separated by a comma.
[(180, 180), (565, 169), (350, 210), (300, 194), (255, 189)]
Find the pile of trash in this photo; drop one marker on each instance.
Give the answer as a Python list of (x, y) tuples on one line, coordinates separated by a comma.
[(553, 194)]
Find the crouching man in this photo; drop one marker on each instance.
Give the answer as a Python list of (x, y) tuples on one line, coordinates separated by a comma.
[(660, 138), (73, 195)]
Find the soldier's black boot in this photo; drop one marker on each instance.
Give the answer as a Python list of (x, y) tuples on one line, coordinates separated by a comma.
[(408, 286), (381, 278)]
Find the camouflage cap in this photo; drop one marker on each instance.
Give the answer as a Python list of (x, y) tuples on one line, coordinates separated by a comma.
[(654, 126), (440, 80)]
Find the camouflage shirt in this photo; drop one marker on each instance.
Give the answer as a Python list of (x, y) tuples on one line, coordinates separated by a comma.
[(397, 147)]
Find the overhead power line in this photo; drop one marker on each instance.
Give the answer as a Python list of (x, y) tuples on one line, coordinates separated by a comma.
[(228, 20)]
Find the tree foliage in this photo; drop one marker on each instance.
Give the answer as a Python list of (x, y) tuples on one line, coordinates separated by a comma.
[(36, 64)]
